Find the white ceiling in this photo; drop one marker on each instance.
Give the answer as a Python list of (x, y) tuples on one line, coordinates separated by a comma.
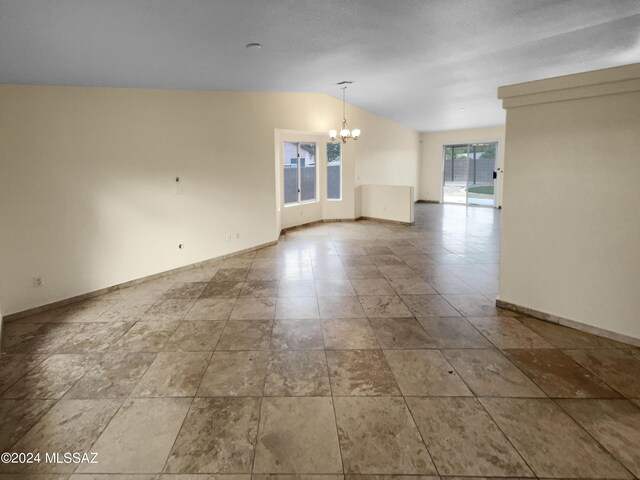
[(414, 61)]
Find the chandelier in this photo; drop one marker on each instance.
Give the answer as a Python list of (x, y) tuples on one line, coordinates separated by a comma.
[(344, 131)]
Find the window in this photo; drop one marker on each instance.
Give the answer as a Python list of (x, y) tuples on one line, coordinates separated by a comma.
[(299, 172), (334, 171)]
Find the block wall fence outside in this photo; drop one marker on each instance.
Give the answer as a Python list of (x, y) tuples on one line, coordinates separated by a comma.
[(88, 196)]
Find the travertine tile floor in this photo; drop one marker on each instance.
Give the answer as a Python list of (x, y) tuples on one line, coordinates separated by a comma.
[(349, 348)]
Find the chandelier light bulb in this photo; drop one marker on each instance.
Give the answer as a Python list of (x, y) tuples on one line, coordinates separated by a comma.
[(333, 134), (355, 133), (345, 133)]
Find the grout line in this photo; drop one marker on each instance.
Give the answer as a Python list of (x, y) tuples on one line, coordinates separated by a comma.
[(260, 408), (53, 403), (264, 382), (591, 372), (333, 406), (424, 442), (597, 442), (11, 385), (122, 402), (173, 444), (506, 436)]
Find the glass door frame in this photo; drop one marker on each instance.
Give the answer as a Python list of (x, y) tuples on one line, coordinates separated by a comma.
[(496, 169)]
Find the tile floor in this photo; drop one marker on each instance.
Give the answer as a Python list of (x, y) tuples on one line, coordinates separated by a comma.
[(347, 349)]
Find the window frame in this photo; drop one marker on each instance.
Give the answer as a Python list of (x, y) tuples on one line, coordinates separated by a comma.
[(339, 199), (299, 201)]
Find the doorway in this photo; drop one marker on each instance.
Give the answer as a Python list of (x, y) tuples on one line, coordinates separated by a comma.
[(469, 173)]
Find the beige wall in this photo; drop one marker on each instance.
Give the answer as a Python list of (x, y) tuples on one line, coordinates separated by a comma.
[(431, 164), (388, 202), (390, 156), (570, 225), (87, 184)]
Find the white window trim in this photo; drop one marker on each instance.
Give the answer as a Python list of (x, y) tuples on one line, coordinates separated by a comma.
[(327, 173), (316, 199)]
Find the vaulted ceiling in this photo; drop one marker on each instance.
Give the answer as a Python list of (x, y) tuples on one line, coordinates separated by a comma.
[(428, 64)]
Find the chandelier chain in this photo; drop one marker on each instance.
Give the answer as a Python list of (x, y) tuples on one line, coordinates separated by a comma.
[(344, 104)]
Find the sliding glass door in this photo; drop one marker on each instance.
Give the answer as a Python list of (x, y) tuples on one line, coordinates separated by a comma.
[(456, 165), (468, 176)]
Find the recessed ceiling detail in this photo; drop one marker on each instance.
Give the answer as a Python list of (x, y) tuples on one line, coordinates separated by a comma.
[(413, 61)]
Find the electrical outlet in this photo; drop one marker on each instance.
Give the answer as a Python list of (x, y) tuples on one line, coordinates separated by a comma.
[(37, 282), (228, 237), (237, 235)]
